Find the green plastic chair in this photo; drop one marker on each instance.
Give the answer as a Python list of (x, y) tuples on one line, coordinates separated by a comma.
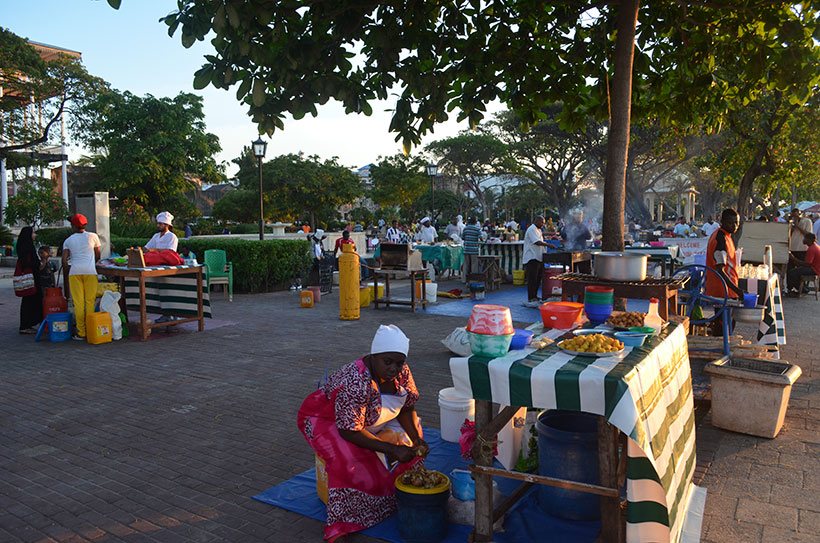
[(218, 271)]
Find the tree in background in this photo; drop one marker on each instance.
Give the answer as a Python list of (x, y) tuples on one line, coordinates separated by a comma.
[(242, 206), (300, 187), (472, 159), (547, 155), (525, 201), (60, 85), (444, 205), (149, 149), (398, 181), (690, 62), (35, 203)]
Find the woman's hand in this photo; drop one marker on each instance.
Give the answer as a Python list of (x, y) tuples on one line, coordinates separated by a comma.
[(403, 454), (421, 447)]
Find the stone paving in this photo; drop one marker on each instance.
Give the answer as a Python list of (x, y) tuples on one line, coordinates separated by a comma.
[(167, 440)]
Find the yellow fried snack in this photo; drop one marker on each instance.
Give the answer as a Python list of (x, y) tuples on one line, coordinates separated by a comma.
[(627, 319), (592, 343)]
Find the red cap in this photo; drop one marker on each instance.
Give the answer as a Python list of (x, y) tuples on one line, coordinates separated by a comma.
[(78, 220), (653, 300)]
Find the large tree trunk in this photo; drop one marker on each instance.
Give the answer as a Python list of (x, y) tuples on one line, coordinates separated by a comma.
[(618, 144), (744, 191)]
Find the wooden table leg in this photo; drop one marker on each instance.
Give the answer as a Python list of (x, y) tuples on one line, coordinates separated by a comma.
[(144, 330), (612, 525), (376, 289), (199, 302), (413, 291), (483, 456), (424, 293)]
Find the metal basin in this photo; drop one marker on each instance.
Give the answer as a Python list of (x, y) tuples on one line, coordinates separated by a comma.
[(615, 266)]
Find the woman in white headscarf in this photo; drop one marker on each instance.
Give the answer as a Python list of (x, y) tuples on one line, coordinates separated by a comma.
[(360, 422), (165, 237)]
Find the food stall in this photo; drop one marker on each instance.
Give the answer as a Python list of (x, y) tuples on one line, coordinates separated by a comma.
[(646, 437), (511, 253), (169, 290)]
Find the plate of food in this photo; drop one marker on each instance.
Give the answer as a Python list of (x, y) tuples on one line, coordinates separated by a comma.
[(594, 345), (624, 320)]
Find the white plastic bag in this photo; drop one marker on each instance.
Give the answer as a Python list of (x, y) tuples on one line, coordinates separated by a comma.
[(110, 303), (458, 342)]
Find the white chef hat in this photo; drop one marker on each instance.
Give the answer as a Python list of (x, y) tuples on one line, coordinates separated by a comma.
[(425, 219), (390, 339), (165, 218)]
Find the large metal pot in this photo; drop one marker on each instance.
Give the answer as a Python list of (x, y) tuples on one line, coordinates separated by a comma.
[(615, 266)]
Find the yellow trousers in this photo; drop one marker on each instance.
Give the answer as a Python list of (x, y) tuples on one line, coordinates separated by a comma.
[(83, 295)]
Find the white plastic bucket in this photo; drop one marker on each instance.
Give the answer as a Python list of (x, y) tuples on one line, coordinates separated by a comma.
[(432, 292), (454, 408)]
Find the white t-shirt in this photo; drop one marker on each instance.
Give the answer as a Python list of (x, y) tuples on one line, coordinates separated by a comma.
[(531, 250), (681, 230), (709, 228), (82, 258), (427, 234), (796, 239), (168, 240)]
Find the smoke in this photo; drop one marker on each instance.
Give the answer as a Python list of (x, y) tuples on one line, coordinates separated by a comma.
[(592, 209)]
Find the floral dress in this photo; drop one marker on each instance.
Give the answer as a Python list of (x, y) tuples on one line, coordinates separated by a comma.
[(361, 489)]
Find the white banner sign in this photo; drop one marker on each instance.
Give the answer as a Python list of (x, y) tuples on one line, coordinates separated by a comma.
[(688, 246)]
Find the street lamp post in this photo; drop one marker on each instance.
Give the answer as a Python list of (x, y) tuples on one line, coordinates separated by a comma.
[(432, 172), (259, 148)]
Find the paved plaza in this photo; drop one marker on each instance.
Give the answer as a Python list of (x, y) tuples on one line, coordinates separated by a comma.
[(167, 440)]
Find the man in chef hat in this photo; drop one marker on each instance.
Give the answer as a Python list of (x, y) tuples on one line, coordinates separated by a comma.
[(165, 237)]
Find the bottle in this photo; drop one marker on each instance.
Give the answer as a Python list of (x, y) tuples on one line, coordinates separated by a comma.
[(652, 318)]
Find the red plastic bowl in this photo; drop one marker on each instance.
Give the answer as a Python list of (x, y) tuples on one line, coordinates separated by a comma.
[(599, 290), (562, 315)]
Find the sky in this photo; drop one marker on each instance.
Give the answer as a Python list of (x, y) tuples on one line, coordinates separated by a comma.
[(131, 50)]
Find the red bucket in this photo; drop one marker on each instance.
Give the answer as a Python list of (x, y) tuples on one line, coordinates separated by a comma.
[(561, 315)]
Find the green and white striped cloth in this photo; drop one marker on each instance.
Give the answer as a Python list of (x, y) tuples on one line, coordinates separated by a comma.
[(772, 330), (510, 252), (646, 393), (170, 295)]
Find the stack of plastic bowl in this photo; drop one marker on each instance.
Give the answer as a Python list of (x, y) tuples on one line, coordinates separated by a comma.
[(490, 330), (598, 302)]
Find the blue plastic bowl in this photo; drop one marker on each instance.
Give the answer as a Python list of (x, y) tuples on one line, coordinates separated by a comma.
[(631, 339), (463, 484), (520, 339), (597, 313)]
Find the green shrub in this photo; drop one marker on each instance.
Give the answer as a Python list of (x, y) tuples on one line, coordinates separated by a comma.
[(6, 237), (53, 237), (131, 229), (258, 266)]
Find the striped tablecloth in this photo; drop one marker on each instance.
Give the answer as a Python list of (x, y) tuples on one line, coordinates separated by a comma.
[(510, 252), (646, 393), (772, 330), (171, 295)]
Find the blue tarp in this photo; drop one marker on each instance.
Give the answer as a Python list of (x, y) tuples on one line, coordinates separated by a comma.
[(524, 523)]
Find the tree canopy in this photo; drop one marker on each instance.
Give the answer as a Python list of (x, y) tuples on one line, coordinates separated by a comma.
[(398, 181), (36, 202), (471, 159), (149, 149), (299, 186), (59, 85)]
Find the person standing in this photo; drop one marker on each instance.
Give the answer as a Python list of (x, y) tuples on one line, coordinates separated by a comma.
[(471, 237), (165, 237), (344, 240), (721, 257), (681, 229), (452, 229), (575, 233), (394, 233), (534, 259), (808, 266), (46, 268), (80, 254), (709, 227), (427, 233), (188, 231), (31, 307)]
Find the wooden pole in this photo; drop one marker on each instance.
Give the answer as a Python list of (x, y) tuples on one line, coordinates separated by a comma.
[(483, 456)]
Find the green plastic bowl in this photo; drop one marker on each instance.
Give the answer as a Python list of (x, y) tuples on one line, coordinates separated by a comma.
[(642, 329), (489, 346)]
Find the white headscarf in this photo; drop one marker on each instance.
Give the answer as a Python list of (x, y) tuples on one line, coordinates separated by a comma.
[(165, 218), (390, 339)]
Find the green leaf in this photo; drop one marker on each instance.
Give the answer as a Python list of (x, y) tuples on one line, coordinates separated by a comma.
[(187, 40), (258, 93), (115, 3), (202, 77)]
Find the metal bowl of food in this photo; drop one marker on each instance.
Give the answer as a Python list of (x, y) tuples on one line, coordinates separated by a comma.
[(749, 315), (615, 266)]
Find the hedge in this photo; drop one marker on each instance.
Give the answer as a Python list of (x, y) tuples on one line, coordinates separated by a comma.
[(53, 237), (258, 266)]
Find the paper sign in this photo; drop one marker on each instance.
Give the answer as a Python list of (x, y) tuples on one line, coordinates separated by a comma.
[(687, 246)]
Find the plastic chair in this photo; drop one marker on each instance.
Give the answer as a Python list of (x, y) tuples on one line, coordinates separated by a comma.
[(218, 271)]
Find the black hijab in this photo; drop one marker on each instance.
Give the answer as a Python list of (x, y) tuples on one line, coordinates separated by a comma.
[(25, 245)]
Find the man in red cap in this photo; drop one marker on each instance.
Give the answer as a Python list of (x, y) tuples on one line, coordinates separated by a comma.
[(80, 254)]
